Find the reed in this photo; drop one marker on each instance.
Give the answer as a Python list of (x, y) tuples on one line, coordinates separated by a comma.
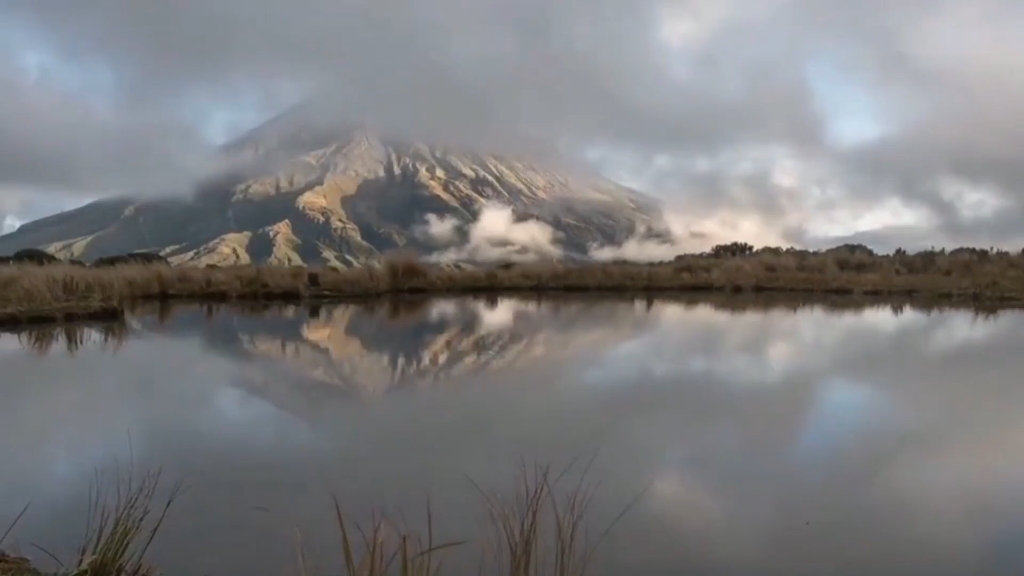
[(122, 523), (540, 528)]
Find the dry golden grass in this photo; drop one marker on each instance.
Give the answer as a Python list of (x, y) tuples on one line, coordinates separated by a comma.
[(60, 292)]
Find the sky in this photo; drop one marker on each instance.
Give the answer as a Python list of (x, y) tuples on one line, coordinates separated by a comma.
[(808, 122)]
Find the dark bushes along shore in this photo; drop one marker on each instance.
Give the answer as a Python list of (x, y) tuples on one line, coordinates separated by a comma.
[(39, 257)]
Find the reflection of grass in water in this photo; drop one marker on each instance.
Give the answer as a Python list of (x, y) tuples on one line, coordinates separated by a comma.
[(537, 530), (41, 340), (410, 309)]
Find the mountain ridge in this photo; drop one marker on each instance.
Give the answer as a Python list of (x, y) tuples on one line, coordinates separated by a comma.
[(307, 194)]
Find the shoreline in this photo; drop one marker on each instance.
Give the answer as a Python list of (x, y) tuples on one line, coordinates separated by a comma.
[(35, 295), (41, 337), (716, 300)]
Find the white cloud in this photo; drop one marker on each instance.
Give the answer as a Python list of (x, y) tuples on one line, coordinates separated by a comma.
[(496, 235), (973, 201), (441, 229), (10, 224)]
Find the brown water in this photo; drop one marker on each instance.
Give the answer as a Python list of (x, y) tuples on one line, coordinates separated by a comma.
[(772, 442)]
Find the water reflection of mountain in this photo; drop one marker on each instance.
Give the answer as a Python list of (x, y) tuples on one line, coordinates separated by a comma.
[(368, 350)]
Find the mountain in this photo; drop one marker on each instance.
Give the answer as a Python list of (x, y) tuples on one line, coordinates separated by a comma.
[(341, 196)]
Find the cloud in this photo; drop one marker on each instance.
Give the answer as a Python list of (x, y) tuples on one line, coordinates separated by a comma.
[(641, 247), (9, 223), (638, 249), (497, 68), (440, 229), (496, 234), (52, 141), (669, 84)]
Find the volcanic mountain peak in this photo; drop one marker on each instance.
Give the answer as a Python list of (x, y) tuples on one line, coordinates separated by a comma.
[(325, 195)]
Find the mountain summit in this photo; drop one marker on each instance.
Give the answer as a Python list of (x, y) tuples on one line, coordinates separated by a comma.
[(343, 196)]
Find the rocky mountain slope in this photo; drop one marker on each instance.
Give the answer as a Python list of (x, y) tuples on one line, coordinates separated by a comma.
[(341, 196)]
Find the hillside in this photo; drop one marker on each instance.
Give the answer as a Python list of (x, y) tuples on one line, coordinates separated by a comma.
[(342, 196)]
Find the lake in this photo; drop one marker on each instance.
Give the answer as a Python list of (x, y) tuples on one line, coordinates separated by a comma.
[(737, 440)]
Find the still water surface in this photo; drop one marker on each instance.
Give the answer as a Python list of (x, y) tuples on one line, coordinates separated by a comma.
[(768, 442)]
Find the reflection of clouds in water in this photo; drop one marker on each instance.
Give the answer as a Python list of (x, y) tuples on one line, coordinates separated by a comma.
[(443, 309), (234, 412), (904, 427), (872, 447), (9, 341), (502, 316), (953, 474), (687, 498), (768, 348), (78, 414), (961, 330), (842, 412), (488, 317)]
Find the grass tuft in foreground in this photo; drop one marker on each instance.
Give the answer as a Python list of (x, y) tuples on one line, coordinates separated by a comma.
[(122, 523), (540, 529), (386, 547), (122, 527)]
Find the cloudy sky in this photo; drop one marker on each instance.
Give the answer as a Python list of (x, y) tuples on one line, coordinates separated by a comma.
[(776, 121)]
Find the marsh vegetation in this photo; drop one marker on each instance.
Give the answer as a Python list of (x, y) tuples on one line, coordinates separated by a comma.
[(62, 291)]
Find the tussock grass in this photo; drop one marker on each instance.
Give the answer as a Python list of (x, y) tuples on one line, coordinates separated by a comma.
[(386, 547), (122, 523), (122, 526), (61, 292), (539, 529)]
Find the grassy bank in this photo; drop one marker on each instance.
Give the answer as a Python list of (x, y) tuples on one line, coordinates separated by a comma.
[(60, 292), (539, 528)]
